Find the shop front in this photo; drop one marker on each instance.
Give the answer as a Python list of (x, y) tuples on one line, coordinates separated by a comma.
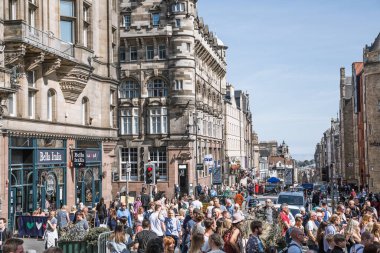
[(88, 176), (37, 175)]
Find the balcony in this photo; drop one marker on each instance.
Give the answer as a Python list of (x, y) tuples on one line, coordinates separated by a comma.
[(17, 31)]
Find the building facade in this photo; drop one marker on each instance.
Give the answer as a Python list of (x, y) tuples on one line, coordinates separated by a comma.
[(238, 133), (371, 97), (58, 90), (173, 80)]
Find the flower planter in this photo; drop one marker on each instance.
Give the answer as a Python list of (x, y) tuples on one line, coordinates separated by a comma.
[(77, 247)]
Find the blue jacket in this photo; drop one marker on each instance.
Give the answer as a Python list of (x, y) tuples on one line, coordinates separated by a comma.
[(125, 213)]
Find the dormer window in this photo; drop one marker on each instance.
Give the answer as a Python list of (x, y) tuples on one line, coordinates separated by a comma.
[(178, 7)]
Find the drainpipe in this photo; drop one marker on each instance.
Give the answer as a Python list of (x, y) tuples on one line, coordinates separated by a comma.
[(108, 39)]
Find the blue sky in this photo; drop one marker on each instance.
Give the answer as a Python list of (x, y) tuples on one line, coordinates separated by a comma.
[(287, 54)]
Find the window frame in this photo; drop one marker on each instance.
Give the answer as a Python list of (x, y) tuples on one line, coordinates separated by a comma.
[(158, 120), (12, 104), (159, 156), (51, 104), (126, 17), (69, 19), (131, 117), (129, 92), (178, 7), (149, 52), (133, 53), (154, 90), (127, 159), (156, 19), (178, 85), (162, 51)]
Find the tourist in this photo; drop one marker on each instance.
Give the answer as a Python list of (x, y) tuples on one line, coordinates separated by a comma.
[(143, 237), (51, 232)]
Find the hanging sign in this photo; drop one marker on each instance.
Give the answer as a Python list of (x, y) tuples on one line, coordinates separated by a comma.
[(79, 158), (93, 156)]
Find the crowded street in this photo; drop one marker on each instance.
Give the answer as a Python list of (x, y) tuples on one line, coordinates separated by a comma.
[(189, 126)]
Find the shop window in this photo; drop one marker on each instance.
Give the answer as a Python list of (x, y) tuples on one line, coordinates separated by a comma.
[(159, 156)]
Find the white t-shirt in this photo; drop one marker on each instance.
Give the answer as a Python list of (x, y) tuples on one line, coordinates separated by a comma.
[(197, 204), (156, 223), (209, 211)]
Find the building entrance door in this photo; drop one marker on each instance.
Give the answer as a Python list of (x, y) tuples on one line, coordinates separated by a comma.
[(183, 178), (88, 186)]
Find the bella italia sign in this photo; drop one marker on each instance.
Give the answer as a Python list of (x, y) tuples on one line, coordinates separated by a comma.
[(51, 156)]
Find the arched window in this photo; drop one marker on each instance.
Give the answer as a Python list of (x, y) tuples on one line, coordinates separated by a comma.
[(157, 88), (85, 111), (51, 104), (129, 89)]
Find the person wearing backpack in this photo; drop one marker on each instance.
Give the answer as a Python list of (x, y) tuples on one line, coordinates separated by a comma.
[(102, 210), (367, 239), (298, 238)]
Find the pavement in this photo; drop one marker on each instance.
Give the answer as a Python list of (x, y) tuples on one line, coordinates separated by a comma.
[(34, 244)]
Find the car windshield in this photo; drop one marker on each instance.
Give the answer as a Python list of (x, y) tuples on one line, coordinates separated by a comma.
[(290, 200)]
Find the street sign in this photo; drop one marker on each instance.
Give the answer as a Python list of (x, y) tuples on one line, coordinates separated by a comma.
[(199, 166)]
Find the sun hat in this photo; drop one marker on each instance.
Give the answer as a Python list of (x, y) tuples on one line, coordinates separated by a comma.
[(237, 217)]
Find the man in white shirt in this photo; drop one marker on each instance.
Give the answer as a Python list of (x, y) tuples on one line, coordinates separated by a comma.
[(157, 220), (197, 204), (311, 229)]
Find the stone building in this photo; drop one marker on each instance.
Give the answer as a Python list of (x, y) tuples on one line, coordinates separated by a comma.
[(371, 102), (58, 90), (238, 133), (173, 79), (328, 154)]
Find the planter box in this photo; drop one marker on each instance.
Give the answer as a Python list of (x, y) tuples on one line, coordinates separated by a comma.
[(77, 247)]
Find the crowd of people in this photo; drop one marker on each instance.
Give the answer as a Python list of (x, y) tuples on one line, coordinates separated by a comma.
[(188, 225)]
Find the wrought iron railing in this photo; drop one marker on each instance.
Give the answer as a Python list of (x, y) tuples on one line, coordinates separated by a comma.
[(43, 40)]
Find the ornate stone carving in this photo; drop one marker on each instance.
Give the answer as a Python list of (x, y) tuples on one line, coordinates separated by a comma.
[(71, 90), (14, 57), (36, 61), (73, 81), (51, 67)]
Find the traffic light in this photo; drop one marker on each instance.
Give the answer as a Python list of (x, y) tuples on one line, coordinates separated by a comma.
[(150, 173)]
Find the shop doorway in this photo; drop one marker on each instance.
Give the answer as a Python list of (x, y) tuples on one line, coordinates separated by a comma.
[(88, 186)]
